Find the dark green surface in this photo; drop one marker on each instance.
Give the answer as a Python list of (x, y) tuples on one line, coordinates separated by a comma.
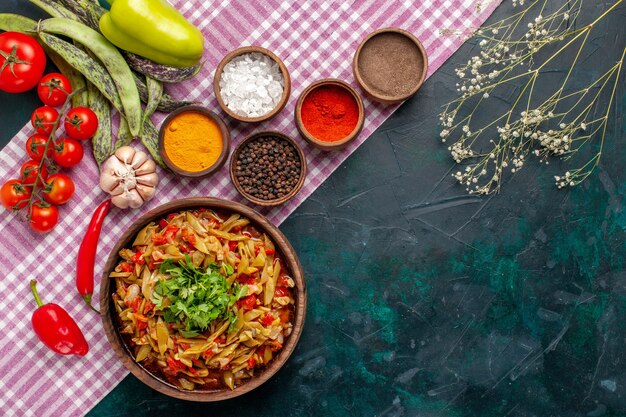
[(426, 302)]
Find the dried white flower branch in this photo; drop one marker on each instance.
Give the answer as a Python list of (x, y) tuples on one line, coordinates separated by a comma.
[(558, 126)]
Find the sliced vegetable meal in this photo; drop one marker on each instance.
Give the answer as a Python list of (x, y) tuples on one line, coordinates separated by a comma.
[(203, 299)]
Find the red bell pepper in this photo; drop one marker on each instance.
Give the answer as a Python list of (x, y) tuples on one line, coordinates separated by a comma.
[(56, 328)]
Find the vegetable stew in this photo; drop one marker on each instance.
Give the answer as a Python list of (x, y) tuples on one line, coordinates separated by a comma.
[(203, 299)]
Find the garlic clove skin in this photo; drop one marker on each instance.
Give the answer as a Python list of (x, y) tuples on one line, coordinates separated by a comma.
[(130, 177), (148, 179), (146, 192), (147, 167), (125, 154), (130, 199), (138, 159), (110, 176)]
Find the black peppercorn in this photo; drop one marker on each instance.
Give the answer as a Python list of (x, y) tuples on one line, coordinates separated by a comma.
[(268, 168)]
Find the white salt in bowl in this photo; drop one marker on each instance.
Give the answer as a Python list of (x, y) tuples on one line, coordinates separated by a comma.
[(232, 92)]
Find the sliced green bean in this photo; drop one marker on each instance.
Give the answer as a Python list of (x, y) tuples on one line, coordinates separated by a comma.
[(10, 22), (86, 65), (155, 92), (102, 142), (110, 58), (150, 139), (54, 9)]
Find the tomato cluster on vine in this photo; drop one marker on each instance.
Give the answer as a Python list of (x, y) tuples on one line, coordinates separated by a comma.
[(41, 187)]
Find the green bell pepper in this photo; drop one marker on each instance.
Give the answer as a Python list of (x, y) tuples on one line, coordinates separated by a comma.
[(153, 29)]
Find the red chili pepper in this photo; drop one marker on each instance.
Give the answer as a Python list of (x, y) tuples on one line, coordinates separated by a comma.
[(270, 251), (87, 253), (163, 223), (232, 245), (56, 328)]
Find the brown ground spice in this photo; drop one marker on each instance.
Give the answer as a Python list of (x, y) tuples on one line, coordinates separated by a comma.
[(390, 64)]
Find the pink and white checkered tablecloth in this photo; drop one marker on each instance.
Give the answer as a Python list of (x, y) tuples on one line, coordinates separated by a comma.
[(315, 39)]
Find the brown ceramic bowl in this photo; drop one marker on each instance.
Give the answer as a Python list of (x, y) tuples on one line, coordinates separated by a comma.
[(380, 60), (225, 142), (258, 201), (329, 146), (246, 50), (107, 310)]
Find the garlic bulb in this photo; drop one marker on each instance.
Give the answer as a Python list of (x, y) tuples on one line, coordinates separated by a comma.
[(130, 177)]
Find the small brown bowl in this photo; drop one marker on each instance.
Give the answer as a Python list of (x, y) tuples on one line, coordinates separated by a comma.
[(121, 348), (276, 201), (246, 50), (387, 52), (329, 146), (225, 142)]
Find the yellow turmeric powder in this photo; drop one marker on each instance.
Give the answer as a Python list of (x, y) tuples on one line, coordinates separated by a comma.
[(193, 141)]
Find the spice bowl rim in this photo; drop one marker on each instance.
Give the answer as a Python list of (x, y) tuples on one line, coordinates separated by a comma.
[(121, 348), (221, 160), (340, 144), (385, 99), (245, 50), (277, 201)]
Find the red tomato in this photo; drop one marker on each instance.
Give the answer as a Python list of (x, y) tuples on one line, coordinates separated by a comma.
[(53, 89), (30, 171), (14, 194), (59, 189), (247, 303), (281, 291), (67, 153), (266, 319), (35, 146), (81, 123), (43, 217), (43, 119), (22, 62)]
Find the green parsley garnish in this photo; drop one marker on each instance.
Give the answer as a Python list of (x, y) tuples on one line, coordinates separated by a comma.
[(196, 297)]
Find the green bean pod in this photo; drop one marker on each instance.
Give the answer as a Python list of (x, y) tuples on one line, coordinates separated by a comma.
[(150, 139), (110, 58), (86, 65), (54, 9), (10, 22), (155, 92), (160, 72), (124, 138), (167, 104), (102, 142), (88, 12)]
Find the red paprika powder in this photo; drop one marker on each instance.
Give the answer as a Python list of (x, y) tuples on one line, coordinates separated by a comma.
[(329, 113)]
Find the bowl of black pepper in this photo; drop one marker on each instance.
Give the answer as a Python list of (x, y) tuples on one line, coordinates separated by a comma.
[(268, 168)]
